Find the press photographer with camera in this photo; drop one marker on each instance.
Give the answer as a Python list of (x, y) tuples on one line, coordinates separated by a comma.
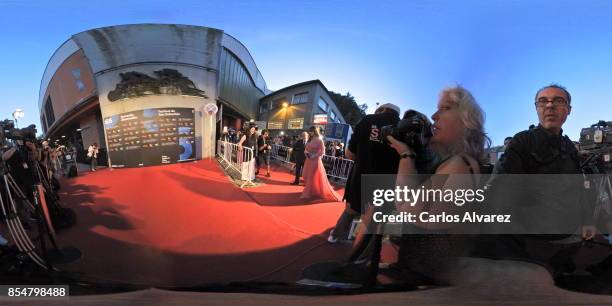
[(20, 161), (264, 147), (458, 142), (20, 158), (371, 156), (456, 146)]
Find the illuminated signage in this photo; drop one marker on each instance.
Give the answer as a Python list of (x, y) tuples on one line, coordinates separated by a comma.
[(320, 119)]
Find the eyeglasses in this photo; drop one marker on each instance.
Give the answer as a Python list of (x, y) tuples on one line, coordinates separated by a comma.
[(556, 101)]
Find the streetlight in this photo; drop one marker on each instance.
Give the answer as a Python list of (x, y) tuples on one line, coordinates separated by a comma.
[(18, 114)]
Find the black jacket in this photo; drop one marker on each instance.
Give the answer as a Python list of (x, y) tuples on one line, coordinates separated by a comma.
[(549, 196), (298, 151), (374, 156), (538, 151)]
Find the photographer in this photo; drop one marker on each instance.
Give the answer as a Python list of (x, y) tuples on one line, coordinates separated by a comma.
[(371, 156), (458, 142), (92, 154), (264, 146), (20, 159)]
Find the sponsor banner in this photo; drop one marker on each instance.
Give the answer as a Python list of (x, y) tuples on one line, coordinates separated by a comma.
[(151, 137)]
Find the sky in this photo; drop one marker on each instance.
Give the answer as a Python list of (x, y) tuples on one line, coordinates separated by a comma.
[(401, 52)]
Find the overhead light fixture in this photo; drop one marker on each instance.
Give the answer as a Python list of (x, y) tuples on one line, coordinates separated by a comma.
[(18, 114)]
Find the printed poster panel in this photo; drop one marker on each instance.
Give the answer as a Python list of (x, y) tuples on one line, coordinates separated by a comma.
[(151, 137)]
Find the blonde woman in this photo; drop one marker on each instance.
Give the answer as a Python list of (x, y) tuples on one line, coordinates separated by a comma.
[(316, 184), (459, 142)]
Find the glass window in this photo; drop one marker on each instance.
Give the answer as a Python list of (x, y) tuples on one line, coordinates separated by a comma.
[(263, 107), (275, 125), (295, 124), (323, 104), (332, 116), (49, 111), (300, 98)]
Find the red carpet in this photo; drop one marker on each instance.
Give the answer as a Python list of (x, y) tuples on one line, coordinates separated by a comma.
[(187, 224)]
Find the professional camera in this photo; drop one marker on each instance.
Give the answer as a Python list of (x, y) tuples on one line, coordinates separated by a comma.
[(596, 136), (25, 134), (8, 131), (414, 130), (596, 148), (5, 127)]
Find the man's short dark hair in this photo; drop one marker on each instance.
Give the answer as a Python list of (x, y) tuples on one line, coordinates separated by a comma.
[(553, 85), (507, 138)]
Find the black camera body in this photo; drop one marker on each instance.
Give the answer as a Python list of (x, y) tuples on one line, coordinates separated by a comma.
[(596, 148), (596, 136), (24, 134), (414, 129)]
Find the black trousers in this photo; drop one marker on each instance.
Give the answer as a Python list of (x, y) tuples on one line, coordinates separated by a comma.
[(298, 171)]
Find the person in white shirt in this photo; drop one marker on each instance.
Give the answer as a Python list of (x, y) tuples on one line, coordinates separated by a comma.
[(92, 154)]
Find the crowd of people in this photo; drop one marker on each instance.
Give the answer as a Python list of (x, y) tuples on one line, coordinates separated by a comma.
[(457, 146), (306, 151), (30, 162)]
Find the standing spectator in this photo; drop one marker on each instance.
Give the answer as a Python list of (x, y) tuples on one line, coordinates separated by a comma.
[(299, 157), (286, 141), (45, 159), (239, 136), (264, 146), (249, 140), (340, 150), (225, 136), (92, 154), (332, 148)]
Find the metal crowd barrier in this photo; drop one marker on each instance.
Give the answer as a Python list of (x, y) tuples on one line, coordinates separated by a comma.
[(281, 153), (335, 167), (240, 159)]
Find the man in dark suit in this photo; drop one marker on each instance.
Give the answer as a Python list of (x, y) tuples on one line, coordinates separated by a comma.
[(298, 155)]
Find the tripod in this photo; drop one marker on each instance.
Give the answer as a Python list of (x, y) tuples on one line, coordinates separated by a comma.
[(37, 204), (14, 223)]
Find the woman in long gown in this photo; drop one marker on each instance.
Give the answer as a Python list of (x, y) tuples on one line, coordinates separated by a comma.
[(316, 184)]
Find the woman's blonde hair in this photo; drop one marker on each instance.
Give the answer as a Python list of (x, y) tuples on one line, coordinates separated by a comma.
[(475, 139)]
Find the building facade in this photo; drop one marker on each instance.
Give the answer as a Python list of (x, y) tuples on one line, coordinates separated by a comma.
[(153, 94), (292, 109), (146, 93)]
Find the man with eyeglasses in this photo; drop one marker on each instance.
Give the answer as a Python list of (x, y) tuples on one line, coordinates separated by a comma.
[(551, 201)]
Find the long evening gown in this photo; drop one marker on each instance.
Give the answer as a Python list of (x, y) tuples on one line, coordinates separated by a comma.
[(316, 184)]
